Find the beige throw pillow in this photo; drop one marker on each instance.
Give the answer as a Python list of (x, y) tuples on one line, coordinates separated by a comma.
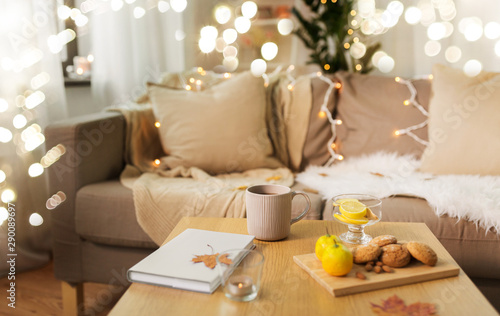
[(464, 123), (220, 130), (371, 109)]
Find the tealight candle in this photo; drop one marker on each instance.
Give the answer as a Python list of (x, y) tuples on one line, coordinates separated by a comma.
[(240, 285)]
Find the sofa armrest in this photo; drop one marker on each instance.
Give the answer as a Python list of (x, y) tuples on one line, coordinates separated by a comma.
[(94, 152)]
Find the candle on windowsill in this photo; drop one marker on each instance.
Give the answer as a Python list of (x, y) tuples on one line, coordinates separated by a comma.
[(81, 65)]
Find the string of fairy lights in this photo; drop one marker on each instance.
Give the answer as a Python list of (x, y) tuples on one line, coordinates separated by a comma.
[(413, 101)]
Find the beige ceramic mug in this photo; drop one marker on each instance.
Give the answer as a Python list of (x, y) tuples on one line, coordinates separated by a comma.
[(269, 211)]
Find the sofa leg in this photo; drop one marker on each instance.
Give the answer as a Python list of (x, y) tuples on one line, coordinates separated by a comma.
[(72, 297)]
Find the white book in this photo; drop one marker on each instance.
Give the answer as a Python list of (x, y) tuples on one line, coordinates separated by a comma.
[(171, 265)]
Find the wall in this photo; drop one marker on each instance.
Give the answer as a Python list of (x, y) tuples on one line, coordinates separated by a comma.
[(79, 99)]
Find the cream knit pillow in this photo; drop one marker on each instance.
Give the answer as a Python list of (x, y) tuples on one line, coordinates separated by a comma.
[(464, 123), (221, 129)]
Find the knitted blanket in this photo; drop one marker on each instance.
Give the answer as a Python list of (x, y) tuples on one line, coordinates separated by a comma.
[(161, 200)]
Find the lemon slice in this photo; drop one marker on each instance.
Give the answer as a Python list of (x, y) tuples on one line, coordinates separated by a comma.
[(340, 201), (353, 209), (350, 220)]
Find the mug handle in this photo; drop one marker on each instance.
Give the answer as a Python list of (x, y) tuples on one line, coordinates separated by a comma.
[(298, 218)]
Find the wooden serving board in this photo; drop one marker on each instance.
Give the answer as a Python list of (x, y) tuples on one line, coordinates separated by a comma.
[(339, 286)]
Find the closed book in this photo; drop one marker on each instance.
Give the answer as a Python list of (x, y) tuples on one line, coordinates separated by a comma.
[(171, 265)]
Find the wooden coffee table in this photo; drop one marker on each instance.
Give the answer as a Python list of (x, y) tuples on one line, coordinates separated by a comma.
[(286, 289)]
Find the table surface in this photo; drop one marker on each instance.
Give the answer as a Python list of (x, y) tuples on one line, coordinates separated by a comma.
[(286, 289)]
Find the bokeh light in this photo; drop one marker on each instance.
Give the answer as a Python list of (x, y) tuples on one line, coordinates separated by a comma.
[(249, 9), (376, 57), (471, 28), (222, 14), (82, 20), (230, 36), (453, 54), (413, 15), (40, 80), (35, 170), (206, 45), (4, 105), (19, 121), (492, 30), (178, 5), (36, 219), (4, 214), (180, 35), (139, 12), (34, 99), (385, 64), (428, 13), (472, 67), (285, 26), (63, 12), (231, 64), (242, 24), (230, 52), (8, 196), (163, 6), (396, 8), (3, 176), (357, 50), (5, 135), (436, 31), (432, 48), (258, 67), (209, 32), (220, 44), (116, 5), (269, 50)]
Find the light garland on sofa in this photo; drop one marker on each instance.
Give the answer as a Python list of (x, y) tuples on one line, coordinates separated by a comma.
[(324, 109), (413, 101)]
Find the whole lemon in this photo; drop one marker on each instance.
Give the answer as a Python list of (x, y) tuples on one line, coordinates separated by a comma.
[(337, 259), (323, 242)]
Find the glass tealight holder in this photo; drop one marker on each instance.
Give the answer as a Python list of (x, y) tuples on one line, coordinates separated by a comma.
[(240, 280)]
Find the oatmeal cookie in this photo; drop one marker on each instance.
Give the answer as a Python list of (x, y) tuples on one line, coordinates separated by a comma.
[(395, 255), (384, 240), (365, 253), (422, 253)]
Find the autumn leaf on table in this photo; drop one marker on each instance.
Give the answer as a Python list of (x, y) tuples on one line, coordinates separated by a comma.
[(396, 306)]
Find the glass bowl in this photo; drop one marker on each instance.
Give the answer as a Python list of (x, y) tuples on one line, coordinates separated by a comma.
[(357, 220)]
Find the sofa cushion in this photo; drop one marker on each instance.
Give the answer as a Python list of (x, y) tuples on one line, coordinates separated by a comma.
[(104, 213), (221, 129), (464, 129), (474, 249), (371, 109)]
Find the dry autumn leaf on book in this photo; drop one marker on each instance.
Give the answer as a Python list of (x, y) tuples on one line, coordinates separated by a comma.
[(211, 261), (396, 306)]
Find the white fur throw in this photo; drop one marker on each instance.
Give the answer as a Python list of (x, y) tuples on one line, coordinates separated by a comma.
[(475, 198)]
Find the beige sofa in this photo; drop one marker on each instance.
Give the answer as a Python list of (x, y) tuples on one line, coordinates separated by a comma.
[(97, 237)]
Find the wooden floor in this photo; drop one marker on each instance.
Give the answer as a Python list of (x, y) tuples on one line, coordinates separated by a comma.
[(39, 293)]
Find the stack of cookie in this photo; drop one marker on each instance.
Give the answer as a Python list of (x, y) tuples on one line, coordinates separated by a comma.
[(384, 252)]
